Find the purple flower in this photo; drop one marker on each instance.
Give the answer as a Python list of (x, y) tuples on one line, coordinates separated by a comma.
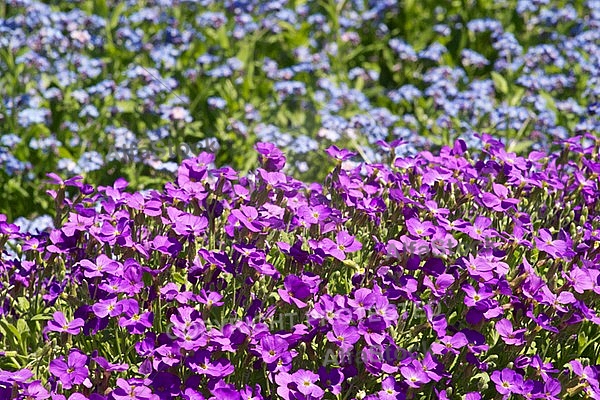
[(432, 367), (60, 324), (557, 301), (294, 251), (72, 372), (273, 180), (202, 364), (475, 298), (271, 158), (249, 393), (107, 366), (345, 243), (272, 348), (408, 245), (230, 338), (385, 310), (130, 282), (166, 385), (57, 180), (450, 344), (223, 390), (544, 242), (327, 309), (499, 200), (211, 299), (542, 368), (306, 383), (36, 391), (295, 291), (192, 394), (343, 335), (166, 245), (363, 300), (189, 328), (194, 169), (103, 265), (437, 322), (479, 268), (187, 224), (135, 322), (439, 287), (171, 292), (509, 336), (507, 381), (108, 307), (332, 380), (248, 216), (391, 390), (581, 279), (339, 154), (543, 321), (373, 330), (76, 223), (258, 261), (552, 389), (119, 234), (479, 230), (284, 380), (128, 391), (588, 373), (442, 242), (307, 216), (165, 356), (420, 229), (414, 376)]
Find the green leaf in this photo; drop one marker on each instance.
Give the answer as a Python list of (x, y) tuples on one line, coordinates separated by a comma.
[(126, 106), (23, 304), (22, 326), (500, 83), (9, 328), (550, 101), (14, 186), (482, 380), (519, 146), (65, 153), (222, 37), (517, 96), (179, 278), (41, 317), (39, 131), (113, 22)]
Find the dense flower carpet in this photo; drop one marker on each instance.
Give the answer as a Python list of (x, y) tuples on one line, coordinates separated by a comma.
[(299, 200), (130, 88)]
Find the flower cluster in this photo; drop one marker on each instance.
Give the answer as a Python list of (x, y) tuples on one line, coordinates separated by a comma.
[(114, 89), (121, 300)]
